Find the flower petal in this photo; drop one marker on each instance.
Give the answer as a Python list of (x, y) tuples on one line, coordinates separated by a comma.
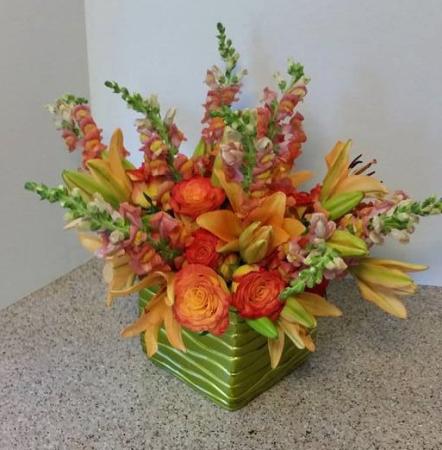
[(154, 315), (150, 280), (298, 178), (317, 305), (90, 242), (384, 300), (293, 227), (276, 346), (151, 339), (381, 276), (333, 154), (360, 183), (337, 171), (116, 151), (222, 223), (279, 237), (271, 211), (292, 331), (233, 190), (173, 330), (232, 246), (400, 265)]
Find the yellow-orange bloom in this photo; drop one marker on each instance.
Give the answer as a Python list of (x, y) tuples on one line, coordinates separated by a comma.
[(201, 299)]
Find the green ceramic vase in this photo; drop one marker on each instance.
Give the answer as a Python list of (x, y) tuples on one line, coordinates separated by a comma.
[(231, 369)]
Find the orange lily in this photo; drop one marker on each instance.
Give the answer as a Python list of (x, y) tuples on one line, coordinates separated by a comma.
[(339, 180), (228, 225), (313, 304), (382, 281), (157, 313)]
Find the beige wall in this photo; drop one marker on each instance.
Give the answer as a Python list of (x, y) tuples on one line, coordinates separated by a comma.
[(42, 55)]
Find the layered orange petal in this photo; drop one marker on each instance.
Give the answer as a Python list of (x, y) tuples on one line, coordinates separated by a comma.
[(338, 169), (360, 183), (279, 237), (317, 305), (271, 210), (383, 299), (276, 347), (293, 227), (233, 190), (222, 223), (298, 178)]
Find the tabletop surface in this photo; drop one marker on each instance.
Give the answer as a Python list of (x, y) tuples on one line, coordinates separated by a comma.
[(68, 381)]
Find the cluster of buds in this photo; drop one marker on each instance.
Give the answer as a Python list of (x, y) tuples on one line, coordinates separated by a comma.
[(399, 220), (73, 117), (321, 262), (160, 137)]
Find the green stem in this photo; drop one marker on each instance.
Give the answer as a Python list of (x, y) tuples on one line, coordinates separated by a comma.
[(97, 219)]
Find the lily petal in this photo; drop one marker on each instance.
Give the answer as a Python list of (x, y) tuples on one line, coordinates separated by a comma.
[(300, 177), (233, 190), (148, 281), (151, 339), (90, 242), (293, 227), (271, 211), (232, 246), (336, 172), (381, 276), (154, 315), (360, 183), (333, 154), (222, 223), (385, 301), (173, 330), (279, 237), (317, 305), (276, 346), (308, 341), (116, 151), (292, 331), (400, 265)]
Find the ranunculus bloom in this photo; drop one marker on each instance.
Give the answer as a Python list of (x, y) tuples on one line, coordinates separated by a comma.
[(257, 294), (201, 299), (195, 196), (202, 249)]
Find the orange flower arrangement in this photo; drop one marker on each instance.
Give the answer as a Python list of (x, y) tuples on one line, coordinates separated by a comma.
[(228, 227)]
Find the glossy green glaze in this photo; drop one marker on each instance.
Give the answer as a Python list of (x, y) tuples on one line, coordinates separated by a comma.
[(231, 369)]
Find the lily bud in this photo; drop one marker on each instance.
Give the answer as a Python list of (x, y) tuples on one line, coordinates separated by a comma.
[(228, 266), (254, 242), (347, 244), (340, 204)]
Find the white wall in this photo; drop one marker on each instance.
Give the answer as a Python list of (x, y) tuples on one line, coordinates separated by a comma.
[(42, 54), (375, 69)]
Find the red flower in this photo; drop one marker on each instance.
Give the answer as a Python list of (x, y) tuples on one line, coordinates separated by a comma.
[(257, 294), (202, 249), (195, 196)]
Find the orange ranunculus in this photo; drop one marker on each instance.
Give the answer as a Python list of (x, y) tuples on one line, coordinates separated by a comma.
[(201, 299), (257, 294), (202, 249), (196, 196)]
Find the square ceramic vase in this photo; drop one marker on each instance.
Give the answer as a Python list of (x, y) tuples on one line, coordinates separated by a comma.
[(231, 369)]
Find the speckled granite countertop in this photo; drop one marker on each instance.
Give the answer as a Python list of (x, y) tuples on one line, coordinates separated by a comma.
[(67, 381)]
